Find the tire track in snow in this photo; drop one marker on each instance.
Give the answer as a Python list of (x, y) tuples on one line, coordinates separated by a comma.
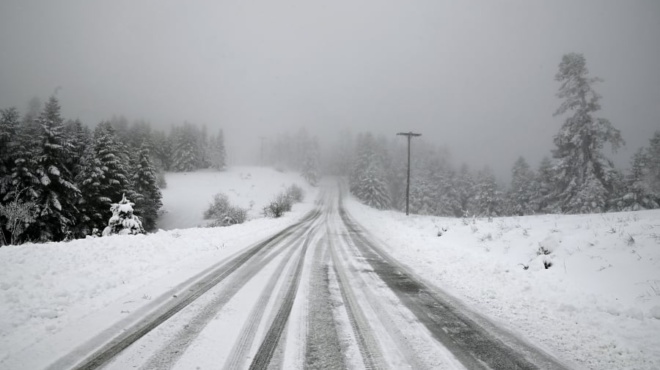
[(472, 345), (368, 346), (270, 342), (323, 350), (240, 350), (115, 339), (166, 357)]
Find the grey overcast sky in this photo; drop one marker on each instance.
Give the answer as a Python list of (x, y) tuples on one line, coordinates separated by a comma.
[(474, 76)]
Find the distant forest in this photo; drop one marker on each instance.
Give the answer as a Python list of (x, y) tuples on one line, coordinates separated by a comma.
[(59, 178), (577, 178)]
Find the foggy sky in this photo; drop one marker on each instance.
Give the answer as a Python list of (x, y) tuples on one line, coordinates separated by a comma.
[(474, 76)]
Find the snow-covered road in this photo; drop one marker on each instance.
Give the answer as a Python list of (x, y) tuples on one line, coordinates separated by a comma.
[(319, 294)]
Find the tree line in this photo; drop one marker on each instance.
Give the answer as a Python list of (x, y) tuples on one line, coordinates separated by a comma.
[(59, 178), (577, 178)]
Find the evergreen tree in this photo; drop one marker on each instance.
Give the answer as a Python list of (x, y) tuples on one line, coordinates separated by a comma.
[(521, 197), (545, 187), (584, 175), (218, 154), (488, 198), (162, 150), (145, 185), (103, 179), (653, 173), (368, 178), (123, 222), (185, 151), (94, 203), (9, 124), (78, 138), (466, 190), (57, 194)]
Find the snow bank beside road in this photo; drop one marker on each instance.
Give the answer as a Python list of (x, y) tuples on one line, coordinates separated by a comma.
[(45, 288), (597, 306)]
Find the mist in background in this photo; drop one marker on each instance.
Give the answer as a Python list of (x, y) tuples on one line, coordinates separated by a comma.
[(476, 77)]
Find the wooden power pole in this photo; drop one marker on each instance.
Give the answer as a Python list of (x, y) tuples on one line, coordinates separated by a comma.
[(410, 135)]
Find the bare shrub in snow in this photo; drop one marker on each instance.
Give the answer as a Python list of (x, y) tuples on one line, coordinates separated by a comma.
[(18, 215), (277, 207), (223, 213), (543, 251)]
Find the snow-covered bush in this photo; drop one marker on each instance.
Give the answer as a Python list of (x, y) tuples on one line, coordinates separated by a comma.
[(223, 213), (123, 221), (282, 203), (295, 193)]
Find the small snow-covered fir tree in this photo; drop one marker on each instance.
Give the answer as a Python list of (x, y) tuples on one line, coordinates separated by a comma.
[(583, 175), (123, 221)]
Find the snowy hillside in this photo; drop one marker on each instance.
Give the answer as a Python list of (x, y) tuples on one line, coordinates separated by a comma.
[(597, 306), (188, 194)]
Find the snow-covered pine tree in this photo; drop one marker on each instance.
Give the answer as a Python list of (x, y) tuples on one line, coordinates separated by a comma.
[(488, 198), (123, 221), (653, 173), (145, 184), (30, 125), (583, 174), (162, 150), (104, 177), (185, 151), (93, 205), (9, 123), (217, 152), (57, 193), (310, 166), (521, 196), (466, 189), (78, 137), (368, 178), (545, 187), (424, 182), (638, 194)]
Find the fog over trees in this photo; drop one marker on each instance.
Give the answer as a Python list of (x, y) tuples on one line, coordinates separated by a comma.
[(95, 110)]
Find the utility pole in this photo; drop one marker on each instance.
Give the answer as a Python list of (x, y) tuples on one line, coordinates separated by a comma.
[(410, 135)]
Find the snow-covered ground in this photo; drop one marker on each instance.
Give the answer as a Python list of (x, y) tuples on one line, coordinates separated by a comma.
[(188, 195), (51, 287), (597, 306)]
